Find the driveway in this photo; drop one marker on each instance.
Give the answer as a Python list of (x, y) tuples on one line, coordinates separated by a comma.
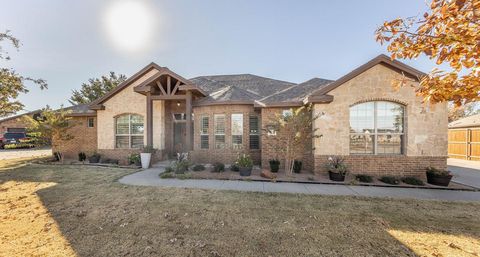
[(24, 153), (465, 172)]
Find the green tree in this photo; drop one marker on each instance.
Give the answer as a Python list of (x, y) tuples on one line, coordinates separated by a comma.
[(12, 84), (294, 134), (96, 88), (52, 128)]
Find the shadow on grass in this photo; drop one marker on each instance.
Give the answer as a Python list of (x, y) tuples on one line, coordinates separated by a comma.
[(99, 216)]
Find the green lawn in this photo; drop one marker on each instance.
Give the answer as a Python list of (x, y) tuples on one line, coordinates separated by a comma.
[(83, 211)]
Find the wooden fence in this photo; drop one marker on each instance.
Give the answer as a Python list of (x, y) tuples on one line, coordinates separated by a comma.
[(464, 143)]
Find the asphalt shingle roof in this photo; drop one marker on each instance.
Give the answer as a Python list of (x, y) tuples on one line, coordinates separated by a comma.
[(467, 122), (248, 87)]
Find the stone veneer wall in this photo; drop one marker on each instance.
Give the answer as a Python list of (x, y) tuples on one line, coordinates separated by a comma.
[(84, 139), (425, 126), (227, 155), (269, 152)]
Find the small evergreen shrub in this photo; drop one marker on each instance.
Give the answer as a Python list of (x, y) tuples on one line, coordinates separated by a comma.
[(412, 181), (168, 170), (184, 176), (218, 167), (198, 167), (134, 158), (390, 180), (234, 167), (297, 166), (82, 156), (436, 172), (364, 178), (167, 175)]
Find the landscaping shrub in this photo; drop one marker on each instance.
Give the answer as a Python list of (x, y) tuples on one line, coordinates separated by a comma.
[(184, 176), (18, 146), (234, 167), (134, 158), (82, 156), (274, 165), (364, 178), (412, 181), (95, 158), (218, 167), (57, 155), (436, 172), (198, 167), (168, 170), (390, 180), (297, 166), (109, 161), (166, 175)]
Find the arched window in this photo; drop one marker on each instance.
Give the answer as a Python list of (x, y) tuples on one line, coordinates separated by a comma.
[(377, 128), (129, 131)]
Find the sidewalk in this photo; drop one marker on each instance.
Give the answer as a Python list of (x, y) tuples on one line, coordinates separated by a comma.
[(150, 177)]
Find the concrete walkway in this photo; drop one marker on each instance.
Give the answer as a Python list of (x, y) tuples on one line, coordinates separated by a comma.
[(465, 172), (150, 177)]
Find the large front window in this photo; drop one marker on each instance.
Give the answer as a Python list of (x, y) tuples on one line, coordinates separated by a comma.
[(237, 131), (219, 126), (129, 131), (376, 128)]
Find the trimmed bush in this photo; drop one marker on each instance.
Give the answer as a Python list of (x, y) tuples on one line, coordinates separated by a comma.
[(19, 146), (297, 166), (198, 167), (412, 181), (218, 167), (364, 178), (234, 167), (274, 165), (390, 180), (82, 156), (184, 176), (134, 158), (168, 170), (167, 175)]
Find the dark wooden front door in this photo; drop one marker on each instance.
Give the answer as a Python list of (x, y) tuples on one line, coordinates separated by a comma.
[(179, 137)]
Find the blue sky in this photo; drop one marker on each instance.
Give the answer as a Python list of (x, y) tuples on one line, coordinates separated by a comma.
[(66, 42)]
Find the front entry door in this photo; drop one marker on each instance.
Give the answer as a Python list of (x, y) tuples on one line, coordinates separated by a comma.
[(179, 137)]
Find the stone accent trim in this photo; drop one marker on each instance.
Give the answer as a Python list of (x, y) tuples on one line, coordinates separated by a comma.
[(391, 165)]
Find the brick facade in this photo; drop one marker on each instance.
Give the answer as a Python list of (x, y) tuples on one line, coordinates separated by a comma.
[(227, 155), (12, 123), (84, 139), (393, 165)]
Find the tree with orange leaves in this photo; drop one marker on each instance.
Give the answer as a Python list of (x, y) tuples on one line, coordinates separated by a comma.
[(449, 33)]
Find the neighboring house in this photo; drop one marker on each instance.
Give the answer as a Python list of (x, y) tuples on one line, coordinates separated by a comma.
[(16, 123), (464, 138), (380, 130)]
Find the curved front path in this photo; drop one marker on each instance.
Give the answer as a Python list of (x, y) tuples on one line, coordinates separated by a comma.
[(150, 177)]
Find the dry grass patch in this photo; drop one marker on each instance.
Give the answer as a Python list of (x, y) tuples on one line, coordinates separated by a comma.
[(98, 216)]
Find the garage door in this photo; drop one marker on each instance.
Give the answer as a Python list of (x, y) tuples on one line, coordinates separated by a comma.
[(16, 130)]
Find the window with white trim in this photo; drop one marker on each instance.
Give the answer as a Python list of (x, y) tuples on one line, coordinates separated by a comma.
[(237, 131), (254, 125), (204, 132), (129, 131), (219, 126), (377, 128), (90, 122)]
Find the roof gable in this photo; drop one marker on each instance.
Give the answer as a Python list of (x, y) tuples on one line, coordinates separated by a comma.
[(381, 59)]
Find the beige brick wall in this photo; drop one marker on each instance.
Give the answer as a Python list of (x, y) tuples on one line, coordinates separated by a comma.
[(84, 139), (128, 101), (425, 125), (269, 152), (227, 155)]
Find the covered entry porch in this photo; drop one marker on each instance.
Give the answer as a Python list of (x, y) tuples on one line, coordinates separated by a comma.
[(176, 95)]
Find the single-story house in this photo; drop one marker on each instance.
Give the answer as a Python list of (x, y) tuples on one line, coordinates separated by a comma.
[(380, 130), (464, 138), (16, 123)]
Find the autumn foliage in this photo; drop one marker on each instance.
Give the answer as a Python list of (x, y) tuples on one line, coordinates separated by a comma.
[(449, 34)]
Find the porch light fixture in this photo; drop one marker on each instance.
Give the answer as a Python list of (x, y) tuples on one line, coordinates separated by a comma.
[(178, 103)]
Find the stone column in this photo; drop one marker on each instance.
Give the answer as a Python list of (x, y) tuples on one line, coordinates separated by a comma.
[(188, 107), (149, 119)]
